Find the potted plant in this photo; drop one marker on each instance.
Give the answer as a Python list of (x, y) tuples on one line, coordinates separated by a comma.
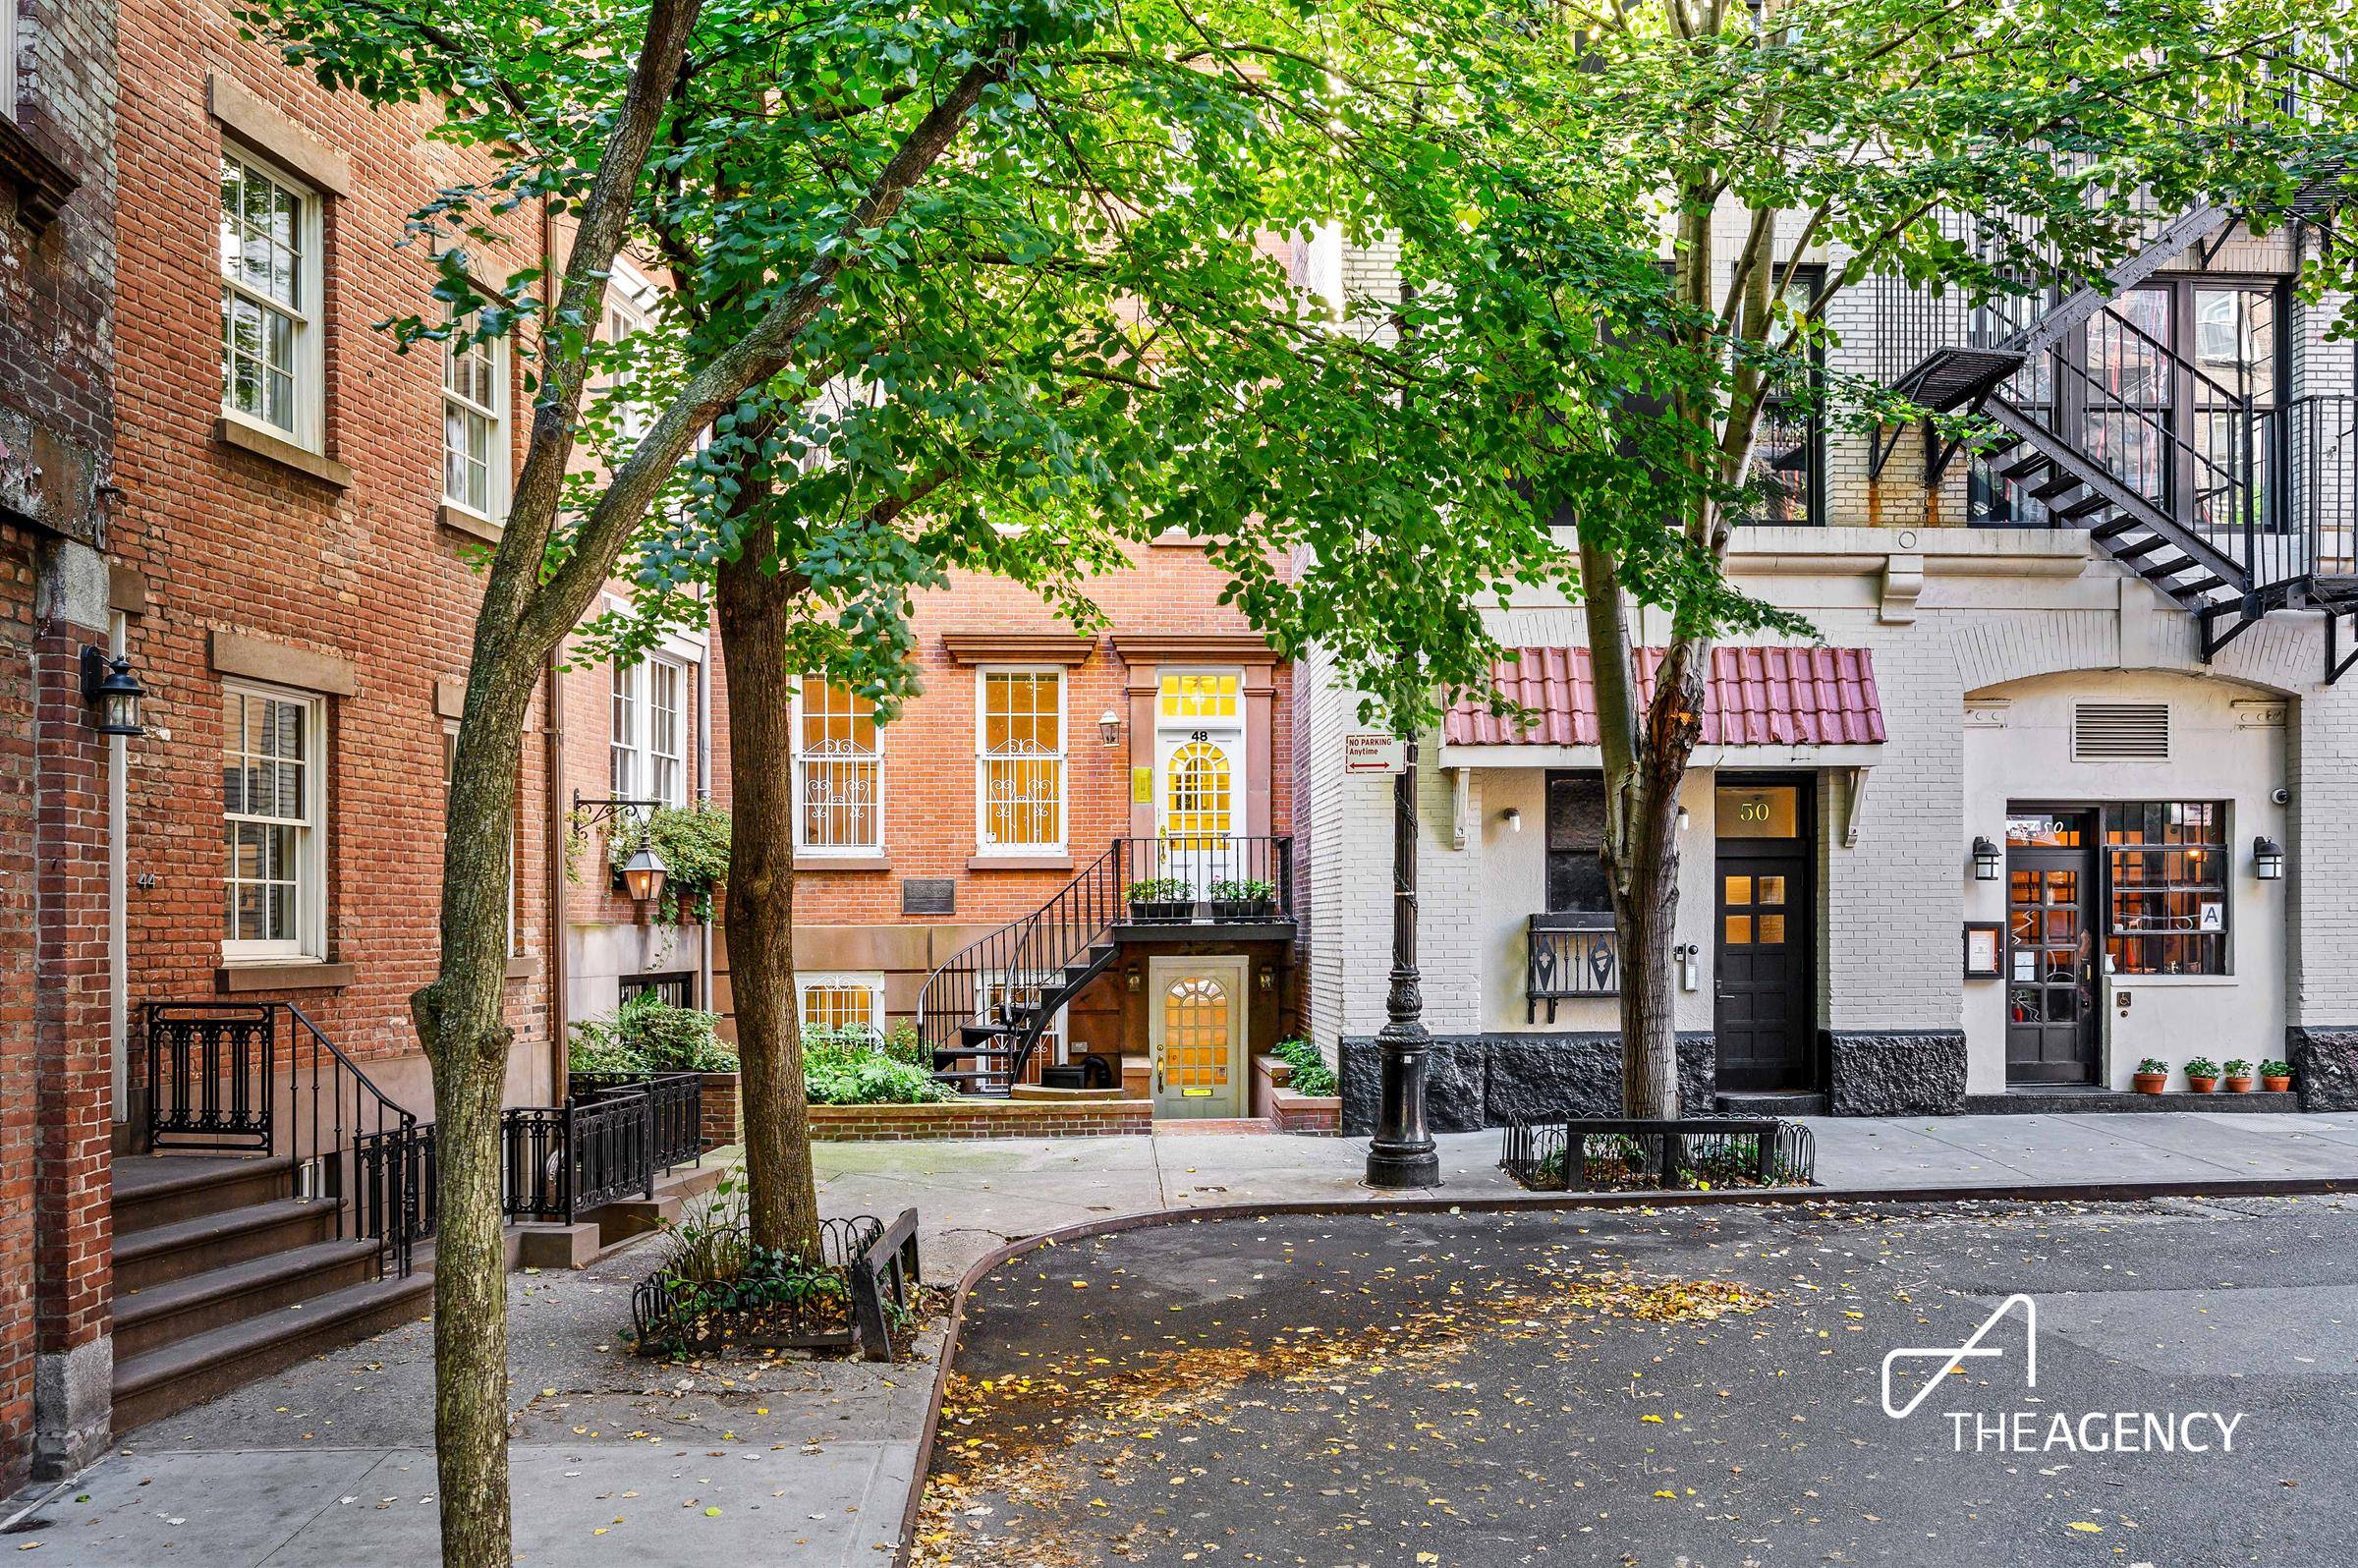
[(1161, 899), (2239, 1076), (2202, 1074), (2152, 1075), (2277, 1077), (1246, 898)]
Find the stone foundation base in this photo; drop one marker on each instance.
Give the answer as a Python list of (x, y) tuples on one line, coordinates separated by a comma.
[(2324, 1065), (1479, 1081), (1896, 1072), (73, 1404)]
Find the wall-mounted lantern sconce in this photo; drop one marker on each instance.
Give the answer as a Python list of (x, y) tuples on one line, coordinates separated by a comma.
[(110, 689), (1684, 820), (1268, 978), (1135, 981), (644, 873), (1513, 818), (1985, 860), (1110, 727), (2267, 858)]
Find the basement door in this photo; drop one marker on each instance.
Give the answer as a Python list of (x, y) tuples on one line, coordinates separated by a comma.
[(1198, 1035), (2051, 946)]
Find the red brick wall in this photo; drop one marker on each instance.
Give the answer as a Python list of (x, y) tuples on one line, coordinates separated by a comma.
[(17, 942), (981, 1118), (234, 542)]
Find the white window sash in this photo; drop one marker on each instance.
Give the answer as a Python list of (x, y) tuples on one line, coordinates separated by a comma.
[(870, 980), (494, 414), (666, 752), (626, 717), (310, 859), (984, 844), (307, 364)]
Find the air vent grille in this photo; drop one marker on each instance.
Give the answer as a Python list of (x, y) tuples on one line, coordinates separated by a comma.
[(2120, 732)]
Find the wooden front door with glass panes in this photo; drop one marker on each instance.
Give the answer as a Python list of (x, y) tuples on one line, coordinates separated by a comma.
[(1198, 1035), (2051, 970), (1764, 1015)]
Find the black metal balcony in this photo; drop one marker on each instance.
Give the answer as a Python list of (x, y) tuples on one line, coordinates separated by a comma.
[(1571, 954)]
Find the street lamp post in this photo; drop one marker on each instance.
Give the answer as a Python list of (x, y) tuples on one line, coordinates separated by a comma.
[(1401, 1154)]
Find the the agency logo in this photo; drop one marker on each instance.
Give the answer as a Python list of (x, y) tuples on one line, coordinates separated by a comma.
[(2040, 1431)]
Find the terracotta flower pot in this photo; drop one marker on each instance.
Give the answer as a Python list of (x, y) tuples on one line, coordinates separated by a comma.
[(2201, 1085), (2239, 1086), (2278, 1086), (2150, 1083)]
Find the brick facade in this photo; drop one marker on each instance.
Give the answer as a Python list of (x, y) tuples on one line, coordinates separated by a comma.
[(57, 437), (993, 1118)]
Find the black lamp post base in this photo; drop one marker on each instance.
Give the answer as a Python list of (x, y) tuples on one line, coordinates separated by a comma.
[(1397, 1169)]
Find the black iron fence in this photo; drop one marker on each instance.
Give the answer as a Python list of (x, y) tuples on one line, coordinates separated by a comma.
[(606, 1143), (1604, 1154)]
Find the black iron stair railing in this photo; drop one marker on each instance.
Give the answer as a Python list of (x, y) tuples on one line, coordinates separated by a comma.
[(261, 1077), (982, 1011)]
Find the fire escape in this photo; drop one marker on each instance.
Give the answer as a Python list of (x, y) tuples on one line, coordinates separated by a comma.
[(2230, 498)]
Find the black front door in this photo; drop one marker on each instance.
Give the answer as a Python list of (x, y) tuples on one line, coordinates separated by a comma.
[(1764, 1018), (2051, 947)]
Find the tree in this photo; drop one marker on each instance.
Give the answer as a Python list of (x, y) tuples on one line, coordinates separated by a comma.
[(1985, 150), (980, 285)]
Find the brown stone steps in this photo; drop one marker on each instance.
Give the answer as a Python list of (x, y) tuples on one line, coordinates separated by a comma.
[(148, 1258), (195, 1304), (163, 1189), (170, 1378)]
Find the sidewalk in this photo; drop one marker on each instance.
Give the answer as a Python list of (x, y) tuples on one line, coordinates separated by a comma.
[(618, 1460)]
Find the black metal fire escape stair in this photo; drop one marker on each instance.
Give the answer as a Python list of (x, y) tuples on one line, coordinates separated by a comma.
[(2077, 488)]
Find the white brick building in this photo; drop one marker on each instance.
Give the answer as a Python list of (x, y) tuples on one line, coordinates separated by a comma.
[(2036, 622)]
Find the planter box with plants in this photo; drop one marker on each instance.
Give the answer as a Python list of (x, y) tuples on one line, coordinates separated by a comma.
[(718, 1292), (1295, 1089), (1161, 899), (854, 1067), (648, 1037), (1248, 898)]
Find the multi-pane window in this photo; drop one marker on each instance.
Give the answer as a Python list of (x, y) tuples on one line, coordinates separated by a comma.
[(270, 287), (1020, 761), (839, 801), (473, 447), (626, 320), (271, 805), (1206, 698), (626, 719), (843, 1001), (646, 732), (2166, 878)]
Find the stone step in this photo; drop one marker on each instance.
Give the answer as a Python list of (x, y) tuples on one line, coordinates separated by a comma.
[(1767, 1103), (146, 1258), (179, 1309), (153, 1190)]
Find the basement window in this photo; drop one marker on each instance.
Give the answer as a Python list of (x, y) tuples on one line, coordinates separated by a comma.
[(2167, 880)]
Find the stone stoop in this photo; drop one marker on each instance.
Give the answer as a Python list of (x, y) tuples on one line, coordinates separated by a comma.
[(221, 1275)]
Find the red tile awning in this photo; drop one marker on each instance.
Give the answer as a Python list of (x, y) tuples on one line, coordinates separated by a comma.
[(1754, 696)]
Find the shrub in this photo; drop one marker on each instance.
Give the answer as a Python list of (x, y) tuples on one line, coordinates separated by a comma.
[(1312, 1075), (853, 1067), (693, 842), (648, 1035)]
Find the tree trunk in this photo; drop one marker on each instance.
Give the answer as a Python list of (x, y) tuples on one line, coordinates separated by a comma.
[(757, 618), (1644, 755), (459, 1018)]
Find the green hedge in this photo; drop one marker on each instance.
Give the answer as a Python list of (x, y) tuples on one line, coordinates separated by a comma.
[(1312, 1075), (648, 1035)]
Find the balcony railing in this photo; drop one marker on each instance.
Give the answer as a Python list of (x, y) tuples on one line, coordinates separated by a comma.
[(1218, 877), (1572, 954)]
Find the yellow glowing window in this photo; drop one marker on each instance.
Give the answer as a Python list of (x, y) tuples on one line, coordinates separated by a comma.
[(842, 775), (836, 1005), (1021, 764), (1198, 697), (1195, 1033), (1200, 794)]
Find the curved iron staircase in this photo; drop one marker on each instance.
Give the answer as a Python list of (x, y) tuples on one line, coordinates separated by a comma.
[(982, 1011), (2232, 507)]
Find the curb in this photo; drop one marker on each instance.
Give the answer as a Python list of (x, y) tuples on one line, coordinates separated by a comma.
[(2126, 1192)]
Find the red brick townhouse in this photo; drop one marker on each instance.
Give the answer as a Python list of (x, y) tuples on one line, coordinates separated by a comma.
[(972, 866), (215, 472)]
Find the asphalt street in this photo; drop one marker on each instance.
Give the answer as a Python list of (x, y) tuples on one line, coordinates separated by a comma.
[(1684, 1388)]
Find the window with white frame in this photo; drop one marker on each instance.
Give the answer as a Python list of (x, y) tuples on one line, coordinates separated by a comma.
[(270, 362), (839, 790), (273, 814), (833, 1001), (627, 314), (647, 734), (475, 427), (1019, 764)]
